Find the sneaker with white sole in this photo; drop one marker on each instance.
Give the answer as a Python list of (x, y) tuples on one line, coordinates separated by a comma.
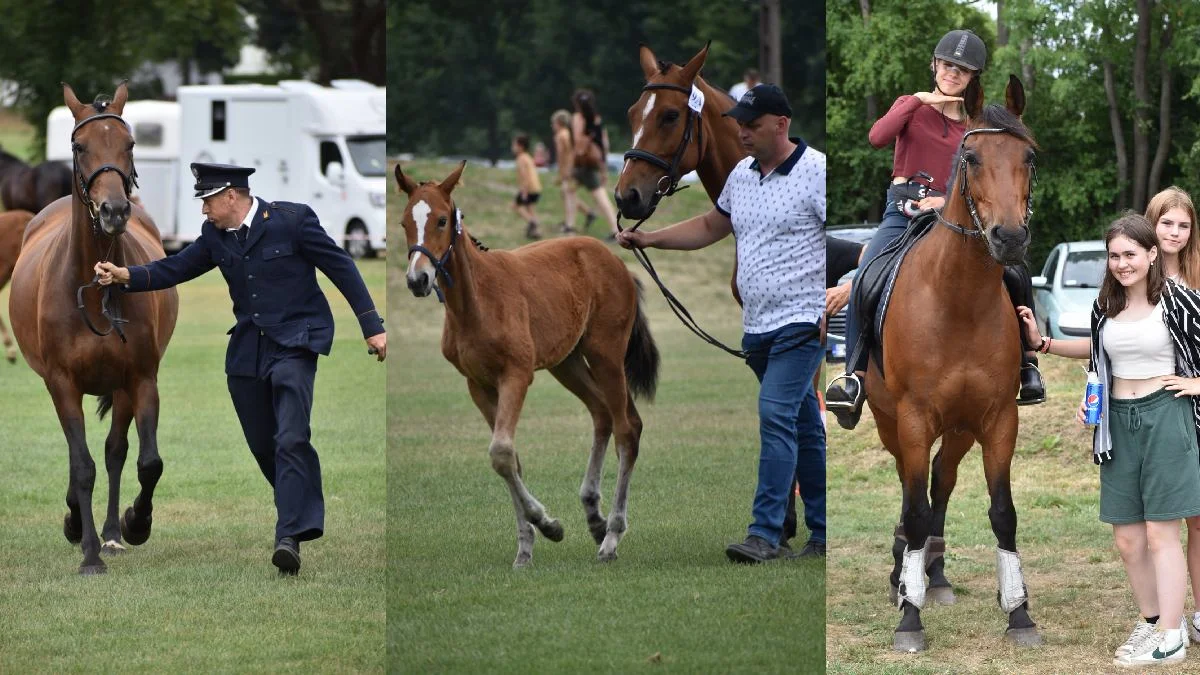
[(1194, 627), (1141, 631), (1162, 647)]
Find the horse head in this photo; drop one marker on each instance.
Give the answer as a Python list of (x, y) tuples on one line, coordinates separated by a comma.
[(432, 226), (102, 151), (994, 176), (666, 135)]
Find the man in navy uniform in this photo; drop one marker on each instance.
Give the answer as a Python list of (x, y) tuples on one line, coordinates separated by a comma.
[(269, 254)]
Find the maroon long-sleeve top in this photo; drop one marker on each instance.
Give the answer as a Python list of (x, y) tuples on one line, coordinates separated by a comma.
[(926, 140)]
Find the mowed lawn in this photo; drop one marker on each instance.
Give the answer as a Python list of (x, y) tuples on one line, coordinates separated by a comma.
[(201, 594), (1077, 585), (671, 601)]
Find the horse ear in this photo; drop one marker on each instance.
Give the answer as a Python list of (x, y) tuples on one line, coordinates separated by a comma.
[(119, 98), (693, 67), (71, 100), (1014, 96), (974, 99), (649, 63), (406, 184), (447, 185)]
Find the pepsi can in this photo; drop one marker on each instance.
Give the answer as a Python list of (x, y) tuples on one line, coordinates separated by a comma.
[(1093, 400)]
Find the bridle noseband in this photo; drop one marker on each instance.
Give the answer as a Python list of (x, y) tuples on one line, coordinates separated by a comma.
[(963, 189), (672, 168), (128, 180), (439, 264)]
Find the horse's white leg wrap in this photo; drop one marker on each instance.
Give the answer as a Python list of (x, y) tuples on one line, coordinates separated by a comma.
[(1012, 583), (912, 577)]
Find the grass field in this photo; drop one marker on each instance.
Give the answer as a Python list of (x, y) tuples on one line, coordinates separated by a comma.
[(1078, 590), (16, 135), (201, 594), (671, 601)]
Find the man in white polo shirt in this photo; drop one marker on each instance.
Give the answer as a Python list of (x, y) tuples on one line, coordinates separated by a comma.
[(774, 203)]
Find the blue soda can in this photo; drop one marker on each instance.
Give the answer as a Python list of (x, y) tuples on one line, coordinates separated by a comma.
[(1093, 400)]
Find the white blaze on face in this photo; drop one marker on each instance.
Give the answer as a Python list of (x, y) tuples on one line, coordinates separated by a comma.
[(420, 212), (637, 136)]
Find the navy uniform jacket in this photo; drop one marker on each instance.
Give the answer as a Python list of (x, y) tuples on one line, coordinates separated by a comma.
[(272, 281)]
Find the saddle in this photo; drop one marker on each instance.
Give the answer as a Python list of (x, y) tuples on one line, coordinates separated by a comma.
[(872, 288)]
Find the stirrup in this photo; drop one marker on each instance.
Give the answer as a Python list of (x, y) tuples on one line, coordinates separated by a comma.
[(1037, 397), (853, 405)]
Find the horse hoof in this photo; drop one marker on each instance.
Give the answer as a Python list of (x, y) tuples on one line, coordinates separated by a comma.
[(606, 557), (523, 562), (89, 570), (111, 547), (942, 595), (909, 641), (1023, 637), (132, 531), (552, 530), (74, 534)]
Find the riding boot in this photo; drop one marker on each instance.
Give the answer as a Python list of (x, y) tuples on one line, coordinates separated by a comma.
[(844, 398), (1033, 387)]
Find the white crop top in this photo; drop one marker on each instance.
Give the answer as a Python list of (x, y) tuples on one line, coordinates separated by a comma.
[(1140, 349)]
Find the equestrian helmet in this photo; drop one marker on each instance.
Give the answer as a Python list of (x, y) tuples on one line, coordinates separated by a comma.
[(962, 47)]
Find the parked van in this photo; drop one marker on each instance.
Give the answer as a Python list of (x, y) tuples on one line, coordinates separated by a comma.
[(323, 146)]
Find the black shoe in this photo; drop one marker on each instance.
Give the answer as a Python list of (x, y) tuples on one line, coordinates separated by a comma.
[(287, 556), (786, 551), (844, 398), (1033, 387), (813, 549), (587, 223), (754, 550)]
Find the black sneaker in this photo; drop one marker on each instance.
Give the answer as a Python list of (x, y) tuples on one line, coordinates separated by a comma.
[(587, 223), (1033, 387), (844, 398), (754, 550), (813, 549), (287, 556)]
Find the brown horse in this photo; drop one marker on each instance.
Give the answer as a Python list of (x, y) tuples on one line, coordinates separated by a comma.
[(12, 229), (568, 306), (670, 140), (31, 188), (951, 284), (61, 246)]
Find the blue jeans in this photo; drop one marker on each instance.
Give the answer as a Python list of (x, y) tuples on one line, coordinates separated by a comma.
[(893, 224), (791, 428)]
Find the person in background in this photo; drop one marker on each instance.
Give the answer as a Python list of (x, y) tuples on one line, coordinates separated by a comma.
[(564, 152), (591, 147), (750, 79), (529, 186)]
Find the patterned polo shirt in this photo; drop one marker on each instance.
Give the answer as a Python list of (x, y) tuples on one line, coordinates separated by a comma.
[(779, 222)]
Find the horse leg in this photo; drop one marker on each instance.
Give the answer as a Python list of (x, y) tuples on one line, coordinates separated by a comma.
[(116, 446), (915, 438), (485, 399), (573, 373), (510, 397), (609, 371), (943, 478), (887, 434), (10, 350), (68, 403), (137, 521), (1013, 594)]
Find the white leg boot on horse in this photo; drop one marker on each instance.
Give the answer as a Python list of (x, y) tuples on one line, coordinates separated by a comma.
[(910, 634)]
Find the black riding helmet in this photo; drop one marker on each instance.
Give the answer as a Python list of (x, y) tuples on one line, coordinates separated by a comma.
[(962, 47)]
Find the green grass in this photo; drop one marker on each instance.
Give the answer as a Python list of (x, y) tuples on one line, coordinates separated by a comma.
[(200, 595), (671, 601), (1078, 589), (16, 135)]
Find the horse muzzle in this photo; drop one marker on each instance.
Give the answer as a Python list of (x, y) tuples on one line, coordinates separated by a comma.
[(1008, 245), (114, 216), (420, 283), (634, 204)]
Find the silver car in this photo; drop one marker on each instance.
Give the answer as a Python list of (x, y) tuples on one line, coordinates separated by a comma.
[(1067, 287)]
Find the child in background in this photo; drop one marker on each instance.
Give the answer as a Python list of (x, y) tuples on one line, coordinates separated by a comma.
[(529, 186)]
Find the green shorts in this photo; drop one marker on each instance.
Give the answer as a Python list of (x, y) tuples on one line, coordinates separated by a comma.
[(587, 177), (1155, 470)]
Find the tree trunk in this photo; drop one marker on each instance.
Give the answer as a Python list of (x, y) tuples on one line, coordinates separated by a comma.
[(1141, 118), (1164, 110), (1027, 67), (770, 57), (368, 56), (1001, 25), (1114, 121), (875, 211), (321, 26)]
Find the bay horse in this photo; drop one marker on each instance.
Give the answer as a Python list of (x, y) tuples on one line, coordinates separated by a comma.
[(62, 244), (12, 229), (951, 284), (31, 188), (568, 306), (671, 140)]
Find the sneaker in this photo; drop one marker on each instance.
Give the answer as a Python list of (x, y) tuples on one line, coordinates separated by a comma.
[(1161, 647), (531, 231), (1141, 631), (1033, 386), (754, 550), (587, 223), (844, 398), (1194, 627)]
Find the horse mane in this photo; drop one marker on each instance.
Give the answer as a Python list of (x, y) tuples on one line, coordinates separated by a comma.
[(102, 102)]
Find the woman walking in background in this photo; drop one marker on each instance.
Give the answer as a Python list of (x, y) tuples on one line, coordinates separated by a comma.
[(564, 152), (591, 147)]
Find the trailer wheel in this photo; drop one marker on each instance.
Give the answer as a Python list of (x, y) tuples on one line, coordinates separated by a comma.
[(358, 242)]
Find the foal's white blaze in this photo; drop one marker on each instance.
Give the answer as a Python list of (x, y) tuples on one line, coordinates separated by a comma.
[(637, 136), (420, 213)]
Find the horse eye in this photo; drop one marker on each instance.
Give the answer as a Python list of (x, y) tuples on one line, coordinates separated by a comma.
[(442, 221), (971, 158), (76, 147), (671, 116)]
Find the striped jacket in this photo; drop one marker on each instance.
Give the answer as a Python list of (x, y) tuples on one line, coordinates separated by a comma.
[(1181, 313)]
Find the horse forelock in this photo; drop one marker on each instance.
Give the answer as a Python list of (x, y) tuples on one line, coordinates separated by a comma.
[(998, 117), (664, 66)]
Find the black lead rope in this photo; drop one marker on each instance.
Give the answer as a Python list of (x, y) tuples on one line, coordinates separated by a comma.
[(112, 314)]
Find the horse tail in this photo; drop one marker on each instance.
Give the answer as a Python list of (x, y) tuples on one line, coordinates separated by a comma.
[(103, 405), (641, 355)]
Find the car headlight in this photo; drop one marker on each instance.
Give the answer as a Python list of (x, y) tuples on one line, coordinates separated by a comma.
[(378, 200)]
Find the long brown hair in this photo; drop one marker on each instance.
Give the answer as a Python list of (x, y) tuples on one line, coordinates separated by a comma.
[(1189, 256), (585, 103), (1137, 229)]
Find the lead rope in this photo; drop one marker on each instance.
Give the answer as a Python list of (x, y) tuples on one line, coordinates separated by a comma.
[(113, 314)]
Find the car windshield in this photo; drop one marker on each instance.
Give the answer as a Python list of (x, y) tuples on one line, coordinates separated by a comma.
[(1084, 269), (368, 154)]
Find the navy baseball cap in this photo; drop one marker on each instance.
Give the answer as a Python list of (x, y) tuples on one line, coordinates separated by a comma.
[(762, 99), (212, 178)]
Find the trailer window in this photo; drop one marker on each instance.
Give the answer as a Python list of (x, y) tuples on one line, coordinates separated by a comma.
[(148, 134), (218, 120), (330, 153)]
